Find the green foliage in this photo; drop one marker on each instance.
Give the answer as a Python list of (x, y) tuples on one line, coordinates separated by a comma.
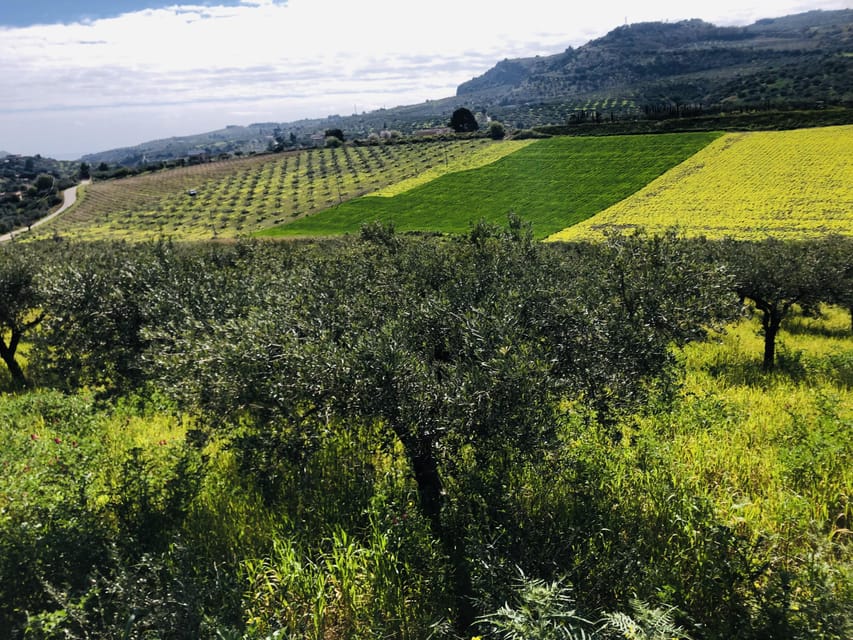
[(496, 130), (348, 590), (91, 509), (20, 300), (371, 436), (646, 623), (544, 612), (463, 121)]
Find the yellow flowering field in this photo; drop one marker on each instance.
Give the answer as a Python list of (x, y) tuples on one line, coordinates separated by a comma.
[(786, 184)]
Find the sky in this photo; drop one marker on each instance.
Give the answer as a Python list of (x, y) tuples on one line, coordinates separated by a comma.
[(81, 76)]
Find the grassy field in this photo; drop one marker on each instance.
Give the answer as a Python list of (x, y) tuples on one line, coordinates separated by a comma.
[(552, 184), (241, 196), (787, 184), (770, 447)]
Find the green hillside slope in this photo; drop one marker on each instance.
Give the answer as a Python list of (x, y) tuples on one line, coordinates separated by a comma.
[(552, 184)]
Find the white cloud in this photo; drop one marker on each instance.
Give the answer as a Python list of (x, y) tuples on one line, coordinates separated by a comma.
[(305, 54)]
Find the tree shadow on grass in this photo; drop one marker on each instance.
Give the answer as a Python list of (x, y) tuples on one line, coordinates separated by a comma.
[(806, 326), (739, 368)]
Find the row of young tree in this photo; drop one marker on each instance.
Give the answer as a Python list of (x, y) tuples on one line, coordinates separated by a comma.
[(462, 351)]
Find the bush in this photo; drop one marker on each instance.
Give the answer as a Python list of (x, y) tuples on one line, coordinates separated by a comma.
[(496, 130)]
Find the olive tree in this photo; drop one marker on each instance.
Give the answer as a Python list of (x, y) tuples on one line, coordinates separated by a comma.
[(497, 131), (456, 345), (839, 273), (776, 275), (20, 304), (94, 308), (108, 308), (629, 299)]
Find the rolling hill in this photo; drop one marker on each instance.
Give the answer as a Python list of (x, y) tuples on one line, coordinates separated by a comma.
[(646, 70), (792, 60)]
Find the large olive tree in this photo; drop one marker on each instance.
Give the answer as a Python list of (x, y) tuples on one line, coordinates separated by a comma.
[(776, 275), (20, 304), (461, 345)]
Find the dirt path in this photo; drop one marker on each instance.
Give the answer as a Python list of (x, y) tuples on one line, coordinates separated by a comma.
[(69, 197)]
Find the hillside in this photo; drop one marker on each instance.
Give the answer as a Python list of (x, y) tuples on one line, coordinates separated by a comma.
[(645, 70), (792, 61), (244, 195), (30, 186), (228, 140), (550, 184)]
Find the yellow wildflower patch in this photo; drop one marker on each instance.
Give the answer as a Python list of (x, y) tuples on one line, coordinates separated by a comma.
[(786, 184)]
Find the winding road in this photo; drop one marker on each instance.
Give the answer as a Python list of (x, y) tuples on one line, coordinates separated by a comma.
[(69, 197)]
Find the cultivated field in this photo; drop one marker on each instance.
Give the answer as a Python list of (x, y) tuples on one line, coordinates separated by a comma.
[(787, 184), (241, 196), (551, 184)]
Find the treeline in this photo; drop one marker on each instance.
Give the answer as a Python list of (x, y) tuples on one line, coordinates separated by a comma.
[(669, 118), (389, 437)]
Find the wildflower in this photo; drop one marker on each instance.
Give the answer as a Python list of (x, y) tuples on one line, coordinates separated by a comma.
[(57, 440), (34, 436)]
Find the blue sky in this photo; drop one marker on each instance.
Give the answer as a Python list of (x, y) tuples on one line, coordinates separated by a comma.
[(86, 76), (24, 13)]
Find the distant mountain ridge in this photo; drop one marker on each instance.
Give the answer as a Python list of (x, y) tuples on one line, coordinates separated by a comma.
[(795, 58), (803, 60)]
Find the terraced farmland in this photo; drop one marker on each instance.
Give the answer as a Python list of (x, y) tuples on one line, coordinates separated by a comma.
[(242, 196), (787, 184), (552, 183)]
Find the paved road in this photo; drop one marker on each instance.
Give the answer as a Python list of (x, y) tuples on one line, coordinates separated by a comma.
[(69, 197)]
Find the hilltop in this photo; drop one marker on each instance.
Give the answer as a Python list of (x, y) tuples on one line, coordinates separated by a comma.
[(796, 59), (649, 70)]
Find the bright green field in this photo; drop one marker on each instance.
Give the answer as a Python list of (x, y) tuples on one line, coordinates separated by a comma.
[(552, 184)]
